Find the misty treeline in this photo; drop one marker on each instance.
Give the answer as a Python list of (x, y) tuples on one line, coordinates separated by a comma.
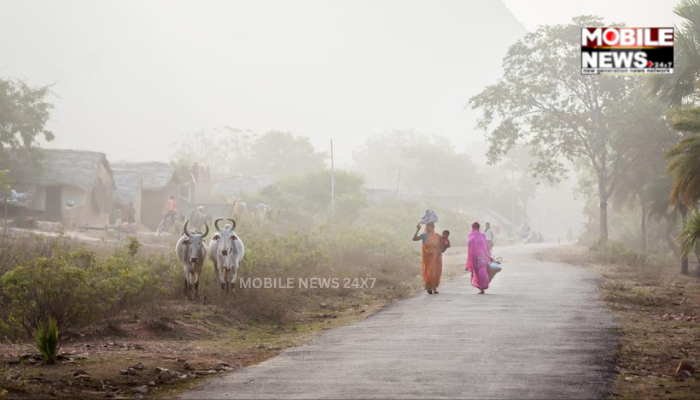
[(634, 141), (405, 162)]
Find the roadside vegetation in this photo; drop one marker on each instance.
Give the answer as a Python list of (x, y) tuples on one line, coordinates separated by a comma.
[(117, 305)]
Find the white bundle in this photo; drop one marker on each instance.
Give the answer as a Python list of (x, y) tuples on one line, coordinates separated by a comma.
[(430, 216)]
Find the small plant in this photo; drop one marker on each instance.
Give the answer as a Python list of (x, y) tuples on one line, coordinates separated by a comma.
[(46, 340), (133, 246)]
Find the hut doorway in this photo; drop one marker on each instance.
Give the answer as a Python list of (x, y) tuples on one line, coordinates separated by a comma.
[(53, 201)]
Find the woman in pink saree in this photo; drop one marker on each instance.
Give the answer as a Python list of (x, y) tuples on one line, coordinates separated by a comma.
[(478, 258)]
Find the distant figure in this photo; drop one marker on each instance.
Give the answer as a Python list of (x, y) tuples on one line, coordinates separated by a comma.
[(129, 213), (241, 209), (479, 258), (570, 236), (525, 232), (170, 210), (490, 236), (445, 241), (432, 257)]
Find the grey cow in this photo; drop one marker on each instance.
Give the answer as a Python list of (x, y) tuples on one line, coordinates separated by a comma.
[(226, 250), (191, 250)]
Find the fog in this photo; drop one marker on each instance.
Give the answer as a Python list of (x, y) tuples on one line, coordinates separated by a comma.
[(132, 78)]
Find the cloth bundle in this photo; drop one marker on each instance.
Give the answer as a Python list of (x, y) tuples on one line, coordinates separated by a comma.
[(430, 216)]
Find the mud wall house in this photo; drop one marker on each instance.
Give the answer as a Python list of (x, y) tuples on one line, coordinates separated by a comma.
[(68, 186), (158, 182), (127, 190)]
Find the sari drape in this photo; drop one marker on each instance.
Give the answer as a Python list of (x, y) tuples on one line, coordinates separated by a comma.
[(478, 258), (432, 261)]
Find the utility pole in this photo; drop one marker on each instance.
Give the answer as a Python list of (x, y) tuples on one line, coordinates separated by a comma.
[(512, 211), (332, 181), (398, 181)]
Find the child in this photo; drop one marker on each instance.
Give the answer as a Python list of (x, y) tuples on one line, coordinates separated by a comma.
[(445, 241)]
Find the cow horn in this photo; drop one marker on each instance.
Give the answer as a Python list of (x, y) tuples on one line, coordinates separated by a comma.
[(233, 223), (207, 232), (184, 229), (216, 224)]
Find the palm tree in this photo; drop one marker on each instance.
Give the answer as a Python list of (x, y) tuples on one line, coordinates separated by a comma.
[(678, 91), (690, 237), (679, 88), (684, 165)]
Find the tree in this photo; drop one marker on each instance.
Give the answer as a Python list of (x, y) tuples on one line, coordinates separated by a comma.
[(690, 237), (543, 99), (281, 153), (643, 120), (224, 151), (678, 88), (684, 159), (231, 151), (428, 164), (659, 207), (305, 197), (677, 91), (24, 113)]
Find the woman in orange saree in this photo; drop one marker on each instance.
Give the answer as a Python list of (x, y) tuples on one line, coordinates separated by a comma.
[(432, 256)]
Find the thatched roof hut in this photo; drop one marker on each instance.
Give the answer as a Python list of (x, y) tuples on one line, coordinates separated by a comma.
[(128, 186), (57, 167), (156, 175), (73, 186), (158, 182)]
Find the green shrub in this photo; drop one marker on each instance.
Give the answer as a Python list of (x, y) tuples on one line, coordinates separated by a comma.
[(613, 252), (133, 245), (46, 340), (46, 288), (78, 287)]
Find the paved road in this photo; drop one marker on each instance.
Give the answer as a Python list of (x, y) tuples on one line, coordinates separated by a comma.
[(538, 333)]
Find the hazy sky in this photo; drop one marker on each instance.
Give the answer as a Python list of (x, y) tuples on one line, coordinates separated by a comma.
[(645, 13), (130, 77)]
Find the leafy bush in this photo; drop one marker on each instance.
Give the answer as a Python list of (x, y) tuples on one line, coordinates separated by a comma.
[(46, 340), (78, 287), (46, 288), (613, 252)]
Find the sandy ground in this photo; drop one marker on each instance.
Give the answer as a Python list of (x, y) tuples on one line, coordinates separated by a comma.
[(540, 332)]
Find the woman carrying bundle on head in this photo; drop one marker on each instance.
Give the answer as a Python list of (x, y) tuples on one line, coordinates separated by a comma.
[(433, 246)]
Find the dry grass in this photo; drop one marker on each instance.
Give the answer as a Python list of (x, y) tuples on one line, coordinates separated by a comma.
[(659, 314)]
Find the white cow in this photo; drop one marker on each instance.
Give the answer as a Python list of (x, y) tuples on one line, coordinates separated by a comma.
[(191, 250), (226, 251)]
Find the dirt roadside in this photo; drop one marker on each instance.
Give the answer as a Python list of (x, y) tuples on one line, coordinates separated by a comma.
[(658, 312)]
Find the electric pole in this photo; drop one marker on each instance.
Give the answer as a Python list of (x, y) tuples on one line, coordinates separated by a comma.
[(332, 181)]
